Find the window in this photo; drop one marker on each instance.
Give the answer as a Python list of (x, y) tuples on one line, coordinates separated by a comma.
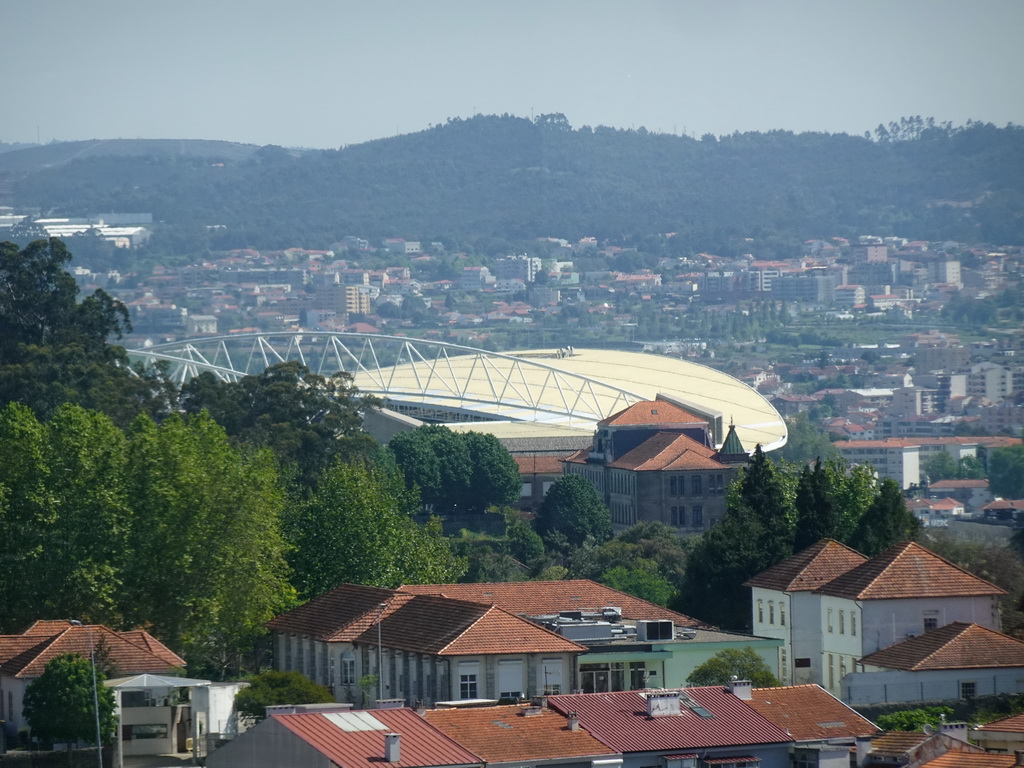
[(760, 611), (842, 622), (679, 516), (673, 486), (783, 666), (853, 623), (637, 675), (468, 672), (153, 731), (697, 517), (551, 671), (831, 671), (782, 614), (510, 679), (930, 622), (968, 689), (697, 485), (526, 491), (348, 668), (829, 614), (771, 611)]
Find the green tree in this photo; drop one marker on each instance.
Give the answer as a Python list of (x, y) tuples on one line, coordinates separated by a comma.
[(273, 687), (806, 442), (307, 420), (494, 478), (205, 566), (1006, 472), (817, 515), (734, 663), (357, 527), (886, 522), (573, 509), (755, 533), (913, 719), (64, 515), (59, 704), (639, 582), (940, 466)]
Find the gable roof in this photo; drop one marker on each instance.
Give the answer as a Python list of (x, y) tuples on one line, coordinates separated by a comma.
[(1012, 724), (356, 739), (966, 759), (426, 623), (500, 734), (28, 656), (651, 412), (955, 646), (668, 451), (809, 569), (536, 598), (908, 570), (620, 721), (809, 713)]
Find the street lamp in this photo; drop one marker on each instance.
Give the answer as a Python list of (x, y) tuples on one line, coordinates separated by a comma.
[(380, 655), (95, 692)]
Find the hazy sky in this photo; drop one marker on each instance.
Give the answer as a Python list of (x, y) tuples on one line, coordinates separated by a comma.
[(322, 73)]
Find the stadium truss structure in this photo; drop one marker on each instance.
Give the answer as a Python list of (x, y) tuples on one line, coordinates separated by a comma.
[(442, 382)]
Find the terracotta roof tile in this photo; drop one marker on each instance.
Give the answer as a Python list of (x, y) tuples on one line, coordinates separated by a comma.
[(908, 570), (955, 646), (500, 734), (651, 412), (143, 639), (122, 654), (809, 569), (897, 743), (809, 712), (971, 760), (620, 721), (668, 451), (536, 598), (1012, 724), (421, 743), (330, 613), (539, 465)]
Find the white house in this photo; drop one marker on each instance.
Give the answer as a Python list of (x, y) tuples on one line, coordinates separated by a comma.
[(903, 592), (957, 661)]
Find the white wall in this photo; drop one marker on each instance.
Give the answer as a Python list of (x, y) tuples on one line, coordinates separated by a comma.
[(898, 686), (890, 621)]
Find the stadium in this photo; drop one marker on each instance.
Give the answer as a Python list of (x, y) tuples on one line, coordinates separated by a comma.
[(534, 395)]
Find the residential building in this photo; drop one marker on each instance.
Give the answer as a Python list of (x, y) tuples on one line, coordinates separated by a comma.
[(868, 606), (1004, 735), (476, 278), (683, 728), (419, 648), (24, 657), (397, 737), (958, 661), (655, 461), (972, 494)]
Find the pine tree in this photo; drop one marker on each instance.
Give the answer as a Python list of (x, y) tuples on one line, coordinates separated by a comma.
[(886, 522)]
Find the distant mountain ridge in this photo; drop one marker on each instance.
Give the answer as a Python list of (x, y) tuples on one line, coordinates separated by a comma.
[(512, 178)]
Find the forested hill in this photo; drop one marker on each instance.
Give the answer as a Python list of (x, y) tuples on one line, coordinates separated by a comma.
[(512, 178)]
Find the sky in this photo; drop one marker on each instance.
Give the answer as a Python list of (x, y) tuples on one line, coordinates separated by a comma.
[(326, 73)]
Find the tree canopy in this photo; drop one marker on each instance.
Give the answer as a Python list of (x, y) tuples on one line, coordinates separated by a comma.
[(734, 664), (1006, 472), (278, 687), (60, 706), (573, 510)]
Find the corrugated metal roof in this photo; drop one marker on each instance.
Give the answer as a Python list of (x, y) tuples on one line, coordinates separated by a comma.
[(421, 744), (620, 721)]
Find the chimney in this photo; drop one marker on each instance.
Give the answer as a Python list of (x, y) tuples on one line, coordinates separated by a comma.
[(1019, 754), (741, 689), (574, 721), (956, 730), (863, 750), (392, 747)]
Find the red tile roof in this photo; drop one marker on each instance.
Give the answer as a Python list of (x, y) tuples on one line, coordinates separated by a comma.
[(424, 623), (535, 598), (1012, 724), (810, 568), (809, 713), (540, 465), (421, 744), (955, 646), (971, 760), (125, 656), (651, 412), (668, 451), (620, 721), (500, 734), (908, 570)]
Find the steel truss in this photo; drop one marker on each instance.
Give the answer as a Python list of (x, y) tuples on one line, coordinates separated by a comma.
[(408, 374)]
